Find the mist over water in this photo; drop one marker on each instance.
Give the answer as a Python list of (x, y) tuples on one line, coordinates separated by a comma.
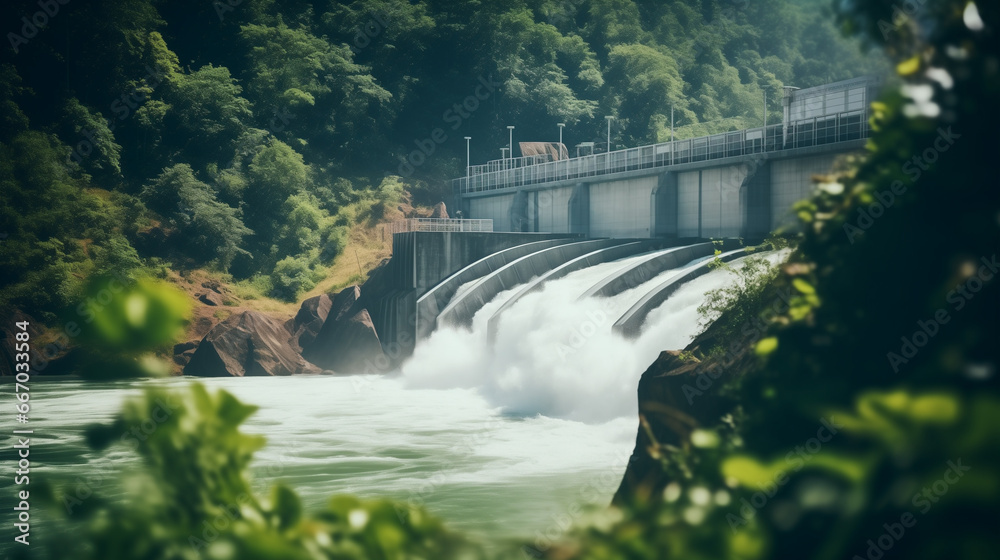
[(558, 357)]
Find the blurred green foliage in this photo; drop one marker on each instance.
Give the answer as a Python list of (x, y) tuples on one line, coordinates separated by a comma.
[(123, 323), (140, 316)]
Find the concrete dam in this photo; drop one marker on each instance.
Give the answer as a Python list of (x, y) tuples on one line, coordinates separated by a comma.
[(641, 219)]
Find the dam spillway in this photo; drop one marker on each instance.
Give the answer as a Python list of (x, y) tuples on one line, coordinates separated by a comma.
[(438, 280), (553, 349)]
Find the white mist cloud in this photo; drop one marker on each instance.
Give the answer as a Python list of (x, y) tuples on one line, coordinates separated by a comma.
[(556, 356)]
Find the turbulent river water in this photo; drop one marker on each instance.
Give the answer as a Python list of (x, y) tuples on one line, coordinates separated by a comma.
[(502, 441)]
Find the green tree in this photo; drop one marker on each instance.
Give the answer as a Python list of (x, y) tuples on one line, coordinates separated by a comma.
[(332, 99), (95, 150), (646, 83), (535, 81), (55, 227), (212, 231), (206, 114)]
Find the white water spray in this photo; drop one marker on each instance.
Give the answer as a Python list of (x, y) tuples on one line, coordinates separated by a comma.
[(558, 357)]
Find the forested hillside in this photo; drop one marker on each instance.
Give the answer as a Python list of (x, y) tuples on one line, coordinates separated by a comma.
[(246, 136)]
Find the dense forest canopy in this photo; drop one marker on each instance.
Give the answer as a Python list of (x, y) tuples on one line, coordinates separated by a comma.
[(243, 135)]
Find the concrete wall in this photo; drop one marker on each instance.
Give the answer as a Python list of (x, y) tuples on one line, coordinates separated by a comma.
[(720, 201), (708, 201), (622, 208), (689, 204), (496, 208), (664, 206), (579, 209), (749, 198), (791, 181), (548, 210), (755, 200)]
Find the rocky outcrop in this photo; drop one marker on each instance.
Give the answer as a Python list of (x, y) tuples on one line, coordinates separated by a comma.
[(439, 211), (211, 298), (246, 344), (315, 311), (309, 319), (184, 351), (677, 394), (347, 342), (214, 295), (344, 301)]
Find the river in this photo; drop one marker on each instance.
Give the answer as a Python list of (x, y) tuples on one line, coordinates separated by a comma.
[(503, 441)]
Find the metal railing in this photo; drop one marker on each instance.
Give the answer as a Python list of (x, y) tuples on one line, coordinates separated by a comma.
[(439, 224), (508, 163), (817, 131)]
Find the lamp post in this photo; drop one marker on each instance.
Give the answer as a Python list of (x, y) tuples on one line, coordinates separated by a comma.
[(467, 139), (510, 142), (561, 126), (609, 132), (786, 111)]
